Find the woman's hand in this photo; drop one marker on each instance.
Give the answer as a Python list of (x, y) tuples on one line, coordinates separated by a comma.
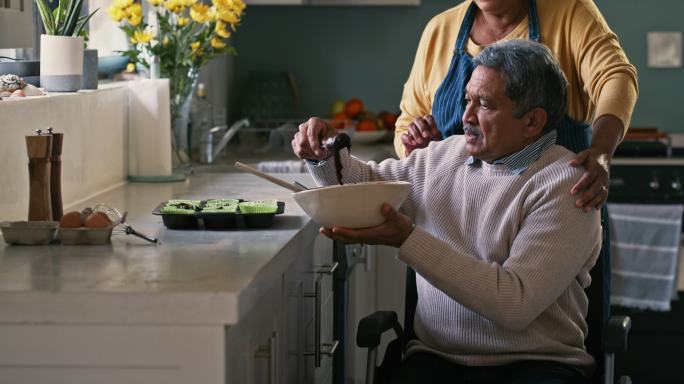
[(420, 133), (393, 232), (592, 189), (308, 141)]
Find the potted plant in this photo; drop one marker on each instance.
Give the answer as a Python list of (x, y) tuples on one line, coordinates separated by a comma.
[(178, 39), (61, 47)]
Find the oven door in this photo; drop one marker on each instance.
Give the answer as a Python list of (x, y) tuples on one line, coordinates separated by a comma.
[(651, 181)]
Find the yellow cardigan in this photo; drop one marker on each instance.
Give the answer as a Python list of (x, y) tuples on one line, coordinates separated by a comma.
[(601, 79)]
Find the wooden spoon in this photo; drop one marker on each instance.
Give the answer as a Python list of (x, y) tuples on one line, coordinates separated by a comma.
[(272, 179)]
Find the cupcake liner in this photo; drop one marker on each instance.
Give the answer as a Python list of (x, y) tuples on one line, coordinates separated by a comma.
[(221, 202), (258, 206), (220, 209), (171, 210)]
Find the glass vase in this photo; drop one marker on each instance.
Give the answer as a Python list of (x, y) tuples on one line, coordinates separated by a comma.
[(183, 81)]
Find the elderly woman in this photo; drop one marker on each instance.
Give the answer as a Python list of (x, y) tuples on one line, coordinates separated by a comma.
[(490, 230), (602, 91)]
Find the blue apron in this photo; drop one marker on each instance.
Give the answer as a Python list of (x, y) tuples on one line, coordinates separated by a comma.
[(449, 106)]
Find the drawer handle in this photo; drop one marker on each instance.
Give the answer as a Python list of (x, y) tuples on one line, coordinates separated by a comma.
[(270, 352), (328, 269), (319, 348)]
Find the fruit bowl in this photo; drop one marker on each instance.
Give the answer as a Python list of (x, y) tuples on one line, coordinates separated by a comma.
[(368, 137), (352, 205), (108, 66)]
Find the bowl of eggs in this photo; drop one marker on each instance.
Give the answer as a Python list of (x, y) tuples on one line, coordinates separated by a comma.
[(355, 205), (85, 227)]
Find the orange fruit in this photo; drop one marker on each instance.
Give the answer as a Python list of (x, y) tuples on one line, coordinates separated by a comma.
[(353, 107), (366, 125), (389, 119), (340, 120)]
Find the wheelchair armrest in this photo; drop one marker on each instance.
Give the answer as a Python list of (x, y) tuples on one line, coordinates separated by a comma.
[(616, 332), (371, 328)]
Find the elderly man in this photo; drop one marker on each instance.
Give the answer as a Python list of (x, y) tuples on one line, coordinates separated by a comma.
[(501, 253)]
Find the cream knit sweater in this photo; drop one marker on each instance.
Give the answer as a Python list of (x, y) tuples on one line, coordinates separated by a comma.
[(502, 260)]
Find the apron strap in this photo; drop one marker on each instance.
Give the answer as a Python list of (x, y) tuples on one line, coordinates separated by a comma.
[(533, 22), (448, 104), (464, 31)]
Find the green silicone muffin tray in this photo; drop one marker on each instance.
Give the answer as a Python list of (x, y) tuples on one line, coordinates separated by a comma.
[(219, 214)]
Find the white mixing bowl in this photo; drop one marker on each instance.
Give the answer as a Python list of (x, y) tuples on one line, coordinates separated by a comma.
[(352, 205)]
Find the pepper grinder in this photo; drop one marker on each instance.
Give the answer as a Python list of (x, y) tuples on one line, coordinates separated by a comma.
[(39, 149), (56, 175)]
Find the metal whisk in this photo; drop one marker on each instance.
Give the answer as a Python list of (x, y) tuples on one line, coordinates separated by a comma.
[(120, 219)]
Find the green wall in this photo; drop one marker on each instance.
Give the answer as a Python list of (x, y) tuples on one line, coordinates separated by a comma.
[(660, 90), (367, 52)]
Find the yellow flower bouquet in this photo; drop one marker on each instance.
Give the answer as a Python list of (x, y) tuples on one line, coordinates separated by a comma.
[(180, 38)]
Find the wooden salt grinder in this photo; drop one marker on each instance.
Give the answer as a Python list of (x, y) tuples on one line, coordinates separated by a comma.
[(56, 175), (39, 149)]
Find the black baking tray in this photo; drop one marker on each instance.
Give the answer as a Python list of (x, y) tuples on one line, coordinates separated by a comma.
[(217, 220), (262, 220), (177, 221)]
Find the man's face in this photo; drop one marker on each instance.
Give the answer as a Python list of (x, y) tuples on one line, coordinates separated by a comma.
[(491, 130)]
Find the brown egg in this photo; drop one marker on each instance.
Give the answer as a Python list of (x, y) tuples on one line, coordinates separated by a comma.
[(70, 220), (97, 220)]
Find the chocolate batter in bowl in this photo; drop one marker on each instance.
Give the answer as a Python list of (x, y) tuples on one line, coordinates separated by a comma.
[(335, 144)]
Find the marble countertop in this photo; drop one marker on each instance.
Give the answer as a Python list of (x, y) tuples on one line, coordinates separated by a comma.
[(190, 277)]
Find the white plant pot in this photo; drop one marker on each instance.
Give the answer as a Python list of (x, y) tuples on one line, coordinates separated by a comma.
[(61, 63)]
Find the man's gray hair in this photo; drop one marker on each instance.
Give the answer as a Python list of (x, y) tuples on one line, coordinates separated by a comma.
[(533, 77)]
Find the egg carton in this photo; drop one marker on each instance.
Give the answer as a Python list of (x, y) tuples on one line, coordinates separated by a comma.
[(86, 236), (29, 232)]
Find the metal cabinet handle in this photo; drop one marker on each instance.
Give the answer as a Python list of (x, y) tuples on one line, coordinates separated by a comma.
[(320, 349), (364, 255), (270, 352), (328, 269)]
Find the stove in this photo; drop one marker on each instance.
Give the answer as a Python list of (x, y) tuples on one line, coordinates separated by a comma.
[(651, 180), (647, 180)]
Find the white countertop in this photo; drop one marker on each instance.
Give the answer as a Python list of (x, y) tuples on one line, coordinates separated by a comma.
[(191, 277)]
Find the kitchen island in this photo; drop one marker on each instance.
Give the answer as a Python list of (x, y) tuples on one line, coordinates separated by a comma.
[(201, 306)]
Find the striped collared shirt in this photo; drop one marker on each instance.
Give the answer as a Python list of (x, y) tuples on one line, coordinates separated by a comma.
[(519, 161)]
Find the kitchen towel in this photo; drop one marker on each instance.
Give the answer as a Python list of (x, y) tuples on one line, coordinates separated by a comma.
[(645, 242), (286, 166)]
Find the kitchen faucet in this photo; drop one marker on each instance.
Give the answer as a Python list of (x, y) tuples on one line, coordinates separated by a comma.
[(208, 152)]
